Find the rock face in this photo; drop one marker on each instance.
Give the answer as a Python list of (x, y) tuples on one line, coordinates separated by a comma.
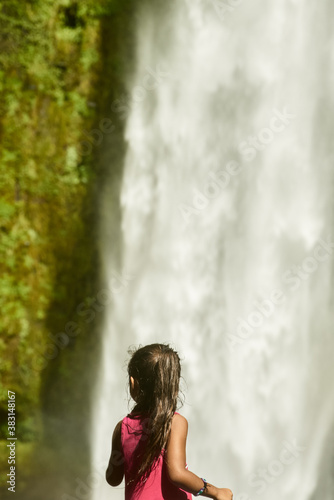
[(61, 67)]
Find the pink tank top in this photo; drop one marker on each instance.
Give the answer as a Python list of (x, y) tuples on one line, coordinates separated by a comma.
[(157, 486)]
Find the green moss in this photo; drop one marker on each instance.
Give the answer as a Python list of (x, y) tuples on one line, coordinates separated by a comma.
[(48, 56), (61, 66)]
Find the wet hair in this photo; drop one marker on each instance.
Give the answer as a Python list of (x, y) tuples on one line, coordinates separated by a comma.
[(157, 370)]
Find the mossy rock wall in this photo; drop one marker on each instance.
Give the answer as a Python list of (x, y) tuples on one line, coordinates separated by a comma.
[(62, 66)]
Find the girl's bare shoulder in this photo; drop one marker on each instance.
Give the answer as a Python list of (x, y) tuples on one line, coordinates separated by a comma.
[(179, 423)]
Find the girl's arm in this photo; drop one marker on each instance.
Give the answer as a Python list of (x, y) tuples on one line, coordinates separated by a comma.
[(176, 463), (115, 470)]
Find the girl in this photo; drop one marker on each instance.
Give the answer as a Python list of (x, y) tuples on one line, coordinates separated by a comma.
[(149, 444)]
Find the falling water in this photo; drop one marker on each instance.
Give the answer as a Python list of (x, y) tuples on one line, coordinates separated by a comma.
[(227, 230)]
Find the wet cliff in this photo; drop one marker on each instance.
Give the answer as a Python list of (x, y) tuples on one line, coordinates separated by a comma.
[(63, 65)]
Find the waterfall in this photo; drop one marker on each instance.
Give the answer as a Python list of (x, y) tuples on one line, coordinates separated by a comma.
[(227, 203)]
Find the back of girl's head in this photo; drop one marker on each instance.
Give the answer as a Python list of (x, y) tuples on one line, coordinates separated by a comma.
[(156, 369)]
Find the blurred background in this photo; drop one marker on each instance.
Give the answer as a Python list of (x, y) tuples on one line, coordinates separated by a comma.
[(166, 172)]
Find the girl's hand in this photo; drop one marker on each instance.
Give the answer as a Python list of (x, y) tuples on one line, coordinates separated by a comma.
[(224, 494)]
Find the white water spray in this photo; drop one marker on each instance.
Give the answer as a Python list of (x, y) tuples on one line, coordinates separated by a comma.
[(227, 226)]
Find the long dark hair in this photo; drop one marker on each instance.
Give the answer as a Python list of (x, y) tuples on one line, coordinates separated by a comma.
[(156, 369)]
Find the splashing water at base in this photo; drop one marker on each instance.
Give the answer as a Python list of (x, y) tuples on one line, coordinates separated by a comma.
[(228, 254)]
